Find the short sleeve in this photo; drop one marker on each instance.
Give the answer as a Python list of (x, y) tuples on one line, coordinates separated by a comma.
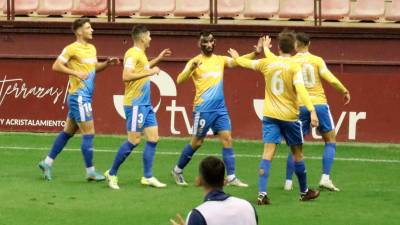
[(66, 54), (130, 62)]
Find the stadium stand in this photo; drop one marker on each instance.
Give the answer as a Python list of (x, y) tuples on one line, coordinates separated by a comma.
[(157, 7), (126, 7), (261, 8), (296, 9), (230, 8), (89, 7), (25, 7), (191, 8), (55, 7), (335, 9), (393, 11), (368, 10)]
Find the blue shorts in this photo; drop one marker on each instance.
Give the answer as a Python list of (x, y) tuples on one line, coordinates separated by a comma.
[(324, 116), (139, 117), (274, 129), (216, 121), (80, 108)]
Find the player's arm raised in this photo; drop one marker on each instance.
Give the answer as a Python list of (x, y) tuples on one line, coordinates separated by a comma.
[(164, 53), (266, 43), (304, 97), (190, 67), (100, 66), (243, 61), (333, 81), (231, 63)]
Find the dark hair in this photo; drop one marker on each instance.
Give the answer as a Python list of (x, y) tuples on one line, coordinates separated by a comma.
[(205, 33), (286, 40), (138, 30), (303, 39), (78, 23), (212, 172)]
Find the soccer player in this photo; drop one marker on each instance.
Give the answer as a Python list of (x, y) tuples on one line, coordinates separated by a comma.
[(79, 61), (209, 111), (283, 84), (314, 69), (218, 207), (140, 116)]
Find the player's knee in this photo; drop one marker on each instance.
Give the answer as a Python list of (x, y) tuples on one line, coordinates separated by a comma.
[(227, 141), (196, 143), (134, 140), (154, 138), (330, 136)]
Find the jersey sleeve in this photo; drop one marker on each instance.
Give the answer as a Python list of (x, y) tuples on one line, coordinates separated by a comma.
[(255, 65), (268, 54), (130, 61), (195, 218), (66, 54), (231, 63), (300, 88), (329, 77)]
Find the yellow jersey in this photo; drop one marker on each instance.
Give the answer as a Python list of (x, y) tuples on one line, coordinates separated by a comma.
[(137, 92), (313, 69), (283, 83), (80, 57), (208, 81)]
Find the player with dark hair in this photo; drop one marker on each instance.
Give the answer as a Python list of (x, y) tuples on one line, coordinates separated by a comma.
[(79, 61), (218, 208), (314, 71), (283, 85), (140, 115), (209, 110)]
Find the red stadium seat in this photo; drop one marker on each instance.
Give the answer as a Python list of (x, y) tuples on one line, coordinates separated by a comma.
[(24, 7), (3, 6), (261, 8), (157, 7), (393, 11), (192, 7), (126, 7), (368, 10), (55, 7), (335, 9), (296, 9), (230, 8), (89, 7)]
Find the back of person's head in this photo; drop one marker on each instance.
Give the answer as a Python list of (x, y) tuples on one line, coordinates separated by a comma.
[(212, 172), (286, 41), (138, 31), (303, 40), (78, 23)]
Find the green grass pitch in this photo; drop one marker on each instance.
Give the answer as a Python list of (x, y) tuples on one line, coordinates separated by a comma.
[(369, 176)]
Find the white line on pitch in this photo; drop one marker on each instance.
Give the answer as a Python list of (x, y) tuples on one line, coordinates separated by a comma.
[(205, 154)]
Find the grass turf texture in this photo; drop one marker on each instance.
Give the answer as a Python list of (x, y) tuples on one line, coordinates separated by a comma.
[(370, 191)]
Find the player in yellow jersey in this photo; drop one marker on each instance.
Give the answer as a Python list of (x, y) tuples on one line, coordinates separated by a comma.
[(209, 110), (140, 116), (79, 61), (283, 85), (314, 71)]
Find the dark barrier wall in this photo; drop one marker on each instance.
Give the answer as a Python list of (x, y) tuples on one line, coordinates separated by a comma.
[(33, 98)]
